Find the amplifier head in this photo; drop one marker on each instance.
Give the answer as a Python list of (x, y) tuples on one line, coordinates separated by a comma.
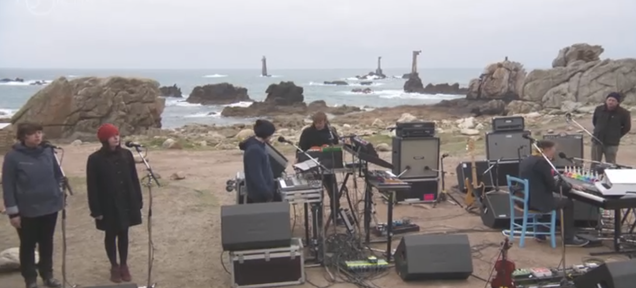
[(416, 157)]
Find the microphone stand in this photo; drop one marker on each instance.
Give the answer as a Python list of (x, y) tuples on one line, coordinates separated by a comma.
[(495, 165), (564, 280), (65, 188), (444, 194), (150, 177)]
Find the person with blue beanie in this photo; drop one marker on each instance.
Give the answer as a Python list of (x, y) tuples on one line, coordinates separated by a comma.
[(259, 178)]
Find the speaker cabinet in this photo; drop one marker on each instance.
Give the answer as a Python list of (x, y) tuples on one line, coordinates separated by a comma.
[(255, 226), (416, 157), (507, 145), (495, 212), (434, 257), (502, 169), (609, 275), (571, 145), (422, 190), (464, 170)]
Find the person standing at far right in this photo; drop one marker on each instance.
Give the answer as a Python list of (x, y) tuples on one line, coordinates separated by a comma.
[(611, 122)]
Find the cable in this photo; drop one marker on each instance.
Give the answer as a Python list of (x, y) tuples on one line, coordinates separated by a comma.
[(223, 263)]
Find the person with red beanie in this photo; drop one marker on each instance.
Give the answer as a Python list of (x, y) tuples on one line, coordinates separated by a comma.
[(114, 197)]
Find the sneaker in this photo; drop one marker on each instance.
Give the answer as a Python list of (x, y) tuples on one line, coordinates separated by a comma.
[(52, 283), (577, 242), (115, 274), (125, 273), (32, 284), (541, 238)]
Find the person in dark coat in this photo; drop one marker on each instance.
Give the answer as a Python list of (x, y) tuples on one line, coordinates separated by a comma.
[(544, 191), (259, 178), (611, 122), (114, 197)]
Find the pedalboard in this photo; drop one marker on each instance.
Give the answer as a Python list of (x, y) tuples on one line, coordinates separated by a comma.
[(371, 264), (399, 227)]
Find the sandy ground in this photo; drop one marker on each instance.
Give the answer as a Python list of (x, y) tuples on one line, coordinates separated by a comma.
[(186, 227)]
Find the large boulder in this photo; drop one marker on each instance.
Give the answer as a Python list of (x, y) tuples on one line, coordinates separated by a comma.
[(218, 94), (284, 94), (413, 84), (75, 109), (171, 91), (502, 80), (580, 76)]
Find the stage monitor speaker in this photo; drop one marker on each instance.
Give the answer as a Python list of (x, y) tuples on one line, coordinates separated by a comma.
[(507, 145), (128, 285), (495, 212), (255, 226), (416, 157), (570, 144), (434, 257), (502, 169), (464, 170), (609, 275), (278, 162)]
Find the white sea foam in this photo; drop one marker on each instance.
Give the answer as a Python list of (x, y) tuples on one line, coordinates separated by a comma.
[(399, 94), (215, 76), (203, 115), (367, 77), (239, 104), (180, 102), (374, 84), (6, 113), (25, 83)]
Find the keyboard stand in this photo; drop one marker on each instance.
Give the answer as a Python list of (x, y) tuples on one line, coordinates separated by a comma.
[(617, 238)]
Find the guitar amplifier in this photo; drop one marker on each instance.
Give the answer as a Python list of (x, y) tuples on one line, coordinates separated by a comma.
[(571, 145), (464, 170), (275, 267), (422, 191)]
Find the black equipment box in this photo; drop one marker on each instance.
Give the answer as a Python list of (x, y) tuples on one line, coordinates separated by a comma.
[(434, 257), (495, 210), (507, 124), (509, 145), (330, 157), (276, 267), (277, 161), (361, 146), (255, 226), (421, 191), (416, 158), (414, 129), (571, 145), (484, 174)]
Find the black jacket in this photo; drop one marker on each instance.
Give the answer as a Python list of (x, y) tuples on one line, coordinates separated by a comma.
[(311, 137), (259, 177), (542, 183), (611, 125), (114, 191)]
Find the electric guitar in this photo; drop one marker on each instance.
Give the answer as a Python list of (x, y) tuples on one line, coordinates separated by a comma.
[(475, 189), (504, 268)]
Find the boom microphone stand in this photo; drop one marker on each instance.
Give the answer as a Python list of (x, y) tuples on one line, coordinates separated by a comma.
[(444, 193), (150, 178), (564, 280), (65, 187)]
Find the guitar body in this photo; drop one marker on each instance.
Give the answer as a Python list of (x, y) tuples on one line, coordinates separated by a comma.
[(470, 196), (474, 189)]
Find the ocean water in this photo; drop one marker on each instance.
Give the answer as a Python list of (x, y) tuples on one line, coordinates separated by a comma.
[(386, 92)]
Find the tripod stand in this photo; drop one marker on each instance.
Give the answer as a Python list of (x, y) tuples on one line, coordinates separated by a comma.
[(495, 167), (65, 188), (150, 178), (442, 196)]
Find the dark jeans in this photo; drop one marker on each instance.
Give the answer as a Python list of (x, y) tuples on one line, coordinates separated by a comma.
[(330, 183), (568, 216), (40, 231)]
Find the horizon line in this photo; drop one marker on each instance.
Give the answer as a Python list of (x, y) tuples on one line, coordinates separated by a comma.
[(255, 69)]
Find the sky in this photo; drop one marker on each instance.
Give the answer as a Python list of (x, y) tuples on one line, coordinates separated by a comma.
[(295, 34)]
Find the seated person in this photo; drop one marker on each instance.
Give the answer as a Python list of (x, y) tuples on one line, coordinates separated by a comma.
[(317, 135), (259, 178), (543, 189)]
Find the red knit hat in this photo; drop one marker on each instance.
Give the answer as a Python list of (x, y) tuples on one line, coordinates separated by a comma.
[(106, 131)]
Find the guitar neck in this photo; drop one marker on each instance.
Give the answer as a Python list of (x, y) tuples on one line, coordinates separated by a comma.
[(473, 167)]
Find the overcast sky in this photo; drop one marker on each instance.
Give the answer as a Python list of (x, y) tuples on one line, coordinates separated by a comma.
[(305, 34)]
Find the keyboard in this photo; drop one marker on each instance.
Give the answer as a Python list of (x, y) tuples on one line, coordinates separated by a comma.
[(588, 195)]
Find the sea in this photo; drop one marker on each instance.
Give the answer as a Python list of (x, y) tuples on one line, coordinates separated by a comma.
[(386, 92)]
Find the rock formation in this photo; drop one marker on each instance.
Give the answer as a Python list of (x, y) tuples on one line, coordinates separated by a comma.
[(414, 85), (502, 80), (364, 91), (218, 94), (580, 76), (75, 109), (337, 83), (284, 98), (171, 91)]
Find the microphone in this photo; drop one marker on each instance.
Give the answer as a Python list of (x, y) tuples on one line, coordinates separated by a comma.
[(568, 116), (527, 136), (445, 155), (564, 156), (282, 139), (47, 144), (131, 144)]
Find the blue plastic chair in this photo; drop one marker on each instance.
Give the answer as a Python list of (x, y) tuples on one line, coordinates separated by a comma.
[(530, 218)]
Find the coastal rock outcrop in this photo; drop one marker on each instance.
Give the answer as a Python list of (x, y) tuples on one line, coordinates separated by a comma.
[(285, 94), (503, 80), (337, 83), (75, 109), (580, 76), (360, 90), (218, 94), (171, 91), (414, 85)]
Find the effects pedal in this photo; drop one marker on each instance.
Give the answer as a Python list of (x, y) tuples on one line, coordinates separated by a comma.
[(371, 264), (399, 227)]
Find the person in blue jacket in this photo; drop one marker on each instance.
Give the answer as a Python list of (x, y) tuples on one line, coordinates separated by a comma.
[(259, 178)]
